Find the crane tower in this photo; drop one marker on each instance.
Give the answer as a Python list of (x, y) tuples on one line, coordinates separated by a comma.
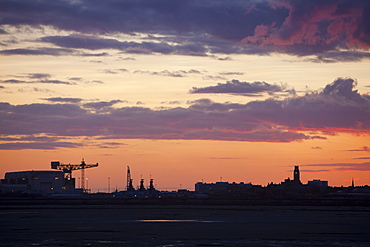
[(67, 169), (129, 186)]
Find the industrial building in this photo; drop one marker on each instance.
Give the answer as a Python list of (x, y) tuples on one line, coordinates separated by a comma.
[(318, 182), (33, 182), (45, 182), (221, 187)]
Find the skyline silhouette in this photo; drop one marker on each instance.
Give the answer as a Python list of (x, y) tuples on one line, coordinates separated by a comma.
[(187, 90)]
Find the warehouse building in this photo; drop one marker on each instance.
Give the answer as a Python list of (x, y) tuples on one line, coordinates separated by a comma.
[(33, 182)]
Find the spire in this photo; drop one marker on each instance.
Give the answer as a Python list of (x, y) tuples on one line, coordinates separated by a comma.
[(353, 183)]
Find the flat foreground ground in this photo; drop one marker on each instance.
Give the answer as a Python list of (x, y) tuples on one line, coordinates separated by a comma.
[(120, 225)]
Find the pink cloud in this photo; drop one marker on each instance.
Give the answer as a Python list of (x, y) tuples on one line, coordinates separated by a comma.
[(309, 23)]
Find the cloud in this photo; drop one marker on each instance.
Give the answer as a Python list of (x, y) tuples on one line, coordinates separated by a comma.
[(338, 108), (232, 73), (178, 73), (362, 158), (109, 71), (317, 147), (35, 142), (101, 104), (175, 102), (38, 145), (135, 122), (35, 89), (339, 56), (37, 51), (33, 138), (36, 78), (342, 166), (330, 31), (317, 24), (126, 59), (64, 100), (93, 43), (111, 145), (361, 149), (240, 88), (15, 81)]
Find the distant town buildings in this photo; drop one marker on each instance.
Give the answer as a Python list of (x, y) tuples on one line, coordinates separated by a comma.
[(201, 187), (318, 182), (60, 183)]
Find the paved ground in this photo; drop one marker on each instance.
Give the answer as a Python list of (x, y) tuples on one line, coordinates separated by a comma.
[(105, 225)]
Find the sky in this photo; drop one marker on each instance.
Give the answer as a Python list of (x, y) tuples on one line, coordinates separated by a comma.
[(187, 91)]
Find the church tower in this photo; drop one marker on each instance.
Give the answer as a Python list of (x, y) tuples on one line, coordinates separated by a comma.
[(296, 175)]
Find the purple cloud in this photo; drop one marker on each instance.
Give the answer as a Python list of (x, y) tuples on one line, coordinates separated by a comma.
[(93, 43), (37, 51), (316, 24), (338, 108), (178, 73), (35, 142), (361, 149), (332, 31), (64, 100), (101, 104), (240, 88), (38, 145), (342, 166), (36, 78)]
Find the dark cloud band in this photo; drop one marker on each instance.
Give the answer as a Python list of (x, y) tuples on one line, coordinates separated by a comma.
[(330, 31), (337, 108)]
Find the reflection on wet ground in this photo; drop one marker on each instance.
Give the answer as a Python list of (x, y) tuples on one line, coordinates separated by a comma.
[(175, 221), (108, 225), (189, 243)]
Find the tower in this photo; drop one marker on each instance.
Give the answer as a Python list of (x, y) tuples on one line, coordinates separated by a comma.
[(142, 187), (296, 175), (151, 185), (129, 186)]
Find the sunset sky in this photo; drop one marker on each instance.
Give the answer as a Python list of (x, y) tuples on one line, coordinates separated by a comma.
[(185, 91)]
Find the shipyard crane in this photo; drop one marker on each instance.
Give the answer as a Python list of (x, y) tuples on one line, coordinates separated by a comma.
[(129, 186), (68, 168)]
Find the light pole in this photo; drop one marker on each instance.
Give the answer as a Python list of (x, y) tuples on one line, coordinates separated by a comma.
[(108, 184)]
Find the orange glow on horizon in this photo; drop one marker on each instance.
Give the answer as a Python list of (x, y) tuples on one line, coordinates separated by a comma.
[(171, 163)]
